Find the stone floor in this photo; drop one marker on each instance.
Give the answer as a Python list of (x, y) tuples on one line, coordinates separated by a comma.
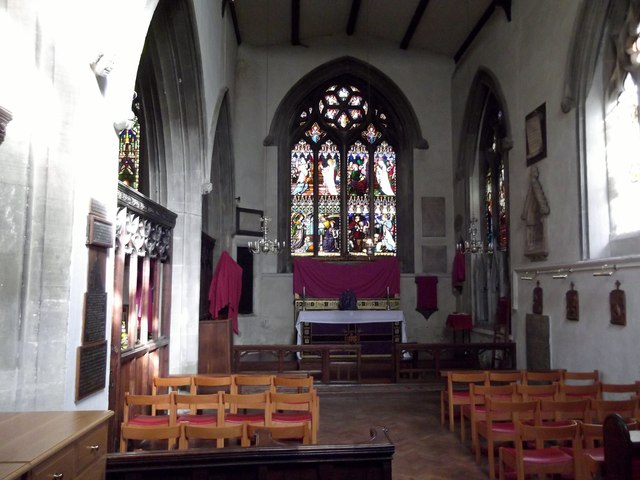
[(424, 449)]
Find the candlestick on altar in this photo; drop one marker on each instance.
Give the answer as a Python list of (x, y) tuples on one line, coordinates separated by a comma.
[(304, 297), (388, 302)]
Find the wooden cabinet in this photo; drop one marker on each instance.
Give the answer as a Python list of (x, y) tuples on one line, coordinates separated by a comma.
[(46, 445), (214, 353)]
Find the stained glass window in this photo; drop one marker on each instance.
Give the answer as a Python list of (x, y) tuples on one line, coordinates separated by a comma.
[(129, 156), (334, 180), (494, 188)]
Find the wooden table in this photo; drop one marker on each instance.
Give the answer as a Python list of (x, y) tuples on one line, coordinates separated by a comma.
[(42, 444)]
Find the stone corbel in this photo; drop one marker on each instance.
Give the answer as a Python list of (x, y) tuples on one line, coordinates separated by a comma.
[(5, 118)]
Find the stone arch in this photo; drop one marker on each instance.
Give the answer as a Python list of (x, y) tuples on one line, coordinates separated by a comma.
[(403, 115), (484, 93)]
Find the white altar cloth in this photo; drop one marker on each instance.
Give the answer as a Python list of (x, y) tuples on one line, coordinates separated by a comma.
[(350, 316)]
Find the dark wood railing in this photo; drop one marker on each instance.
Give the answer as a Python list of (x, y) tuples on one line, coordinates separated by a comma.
[(415, 360), (317, 360), (365, 461)]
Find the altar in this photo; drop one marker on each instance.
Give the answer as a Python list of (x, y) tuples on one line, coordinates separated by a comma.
[(377, 331)]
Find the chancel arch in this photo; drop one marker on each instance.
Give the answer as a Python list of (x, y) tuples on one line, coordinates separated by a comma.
[(404, 134)]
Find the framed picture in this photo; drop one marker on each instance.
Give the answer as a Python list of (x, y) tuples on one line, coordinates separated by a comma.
[(536, 132), (249, 221)]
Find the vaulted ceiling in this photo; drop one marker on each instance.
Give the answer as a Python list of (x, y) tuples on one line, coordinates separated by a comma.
[(445, 27)]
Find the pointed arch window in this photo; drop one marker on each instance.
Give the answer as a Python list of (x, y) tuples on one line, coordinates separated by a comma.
[(343, 162), (493, 185)]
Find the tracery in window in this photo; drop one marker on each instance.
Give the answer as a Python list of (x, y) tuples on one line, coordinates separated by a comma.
[(623, 160), (355, 217)]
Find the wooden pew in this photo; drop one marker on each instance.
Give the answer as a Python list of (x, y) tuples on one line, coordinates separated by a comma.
[(363, 461)]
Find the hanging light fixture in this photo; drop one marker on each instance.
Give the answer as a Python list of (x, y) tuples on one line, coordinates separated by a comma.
[(473, 244), (265, 244)]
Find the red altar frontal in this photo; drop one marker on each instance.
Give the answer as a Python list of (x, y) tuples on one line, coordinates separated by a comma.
[(376, 325)]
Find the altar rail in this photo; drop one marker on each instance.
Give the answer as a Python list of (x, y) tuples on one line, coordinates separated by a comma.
[(366, 461), (281, 358), (410, 362)]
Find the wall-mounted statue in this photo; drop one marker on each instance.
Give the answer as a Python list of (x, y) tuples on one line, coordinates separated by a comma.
[(536, 208), (5, 118)]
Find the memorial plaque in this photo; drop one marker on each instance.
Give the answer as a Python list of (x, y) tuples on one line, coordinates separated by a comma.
[(98, 208), (95, 316), (91, 370), (100, 232)]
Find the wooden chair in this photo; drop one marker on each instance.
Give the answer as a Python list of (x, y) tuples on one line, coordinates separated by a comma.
[(592, 450), (290, 433), (204, 409), (537, 392), (205, 435), (212, 383), (499, 425), (580, 378), (136, 408), (293, 383), (295, 409), (178, 384), (600, 409), (252, 383), (532, 377), (566, 392), (476, 411), (457, 393), (542, 460), (619, 391), (250, 408), (152, 433), (563, 412), (501, 377)]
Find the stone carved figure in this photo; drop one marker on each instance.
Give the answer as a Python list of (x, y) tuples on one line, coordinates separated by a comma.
[(536, 208)]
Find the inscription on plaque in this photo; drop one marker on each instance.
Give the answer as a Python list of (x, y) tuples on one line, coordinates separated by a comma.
[(92, 369), (100, 232), (95, 316), (98, 208)]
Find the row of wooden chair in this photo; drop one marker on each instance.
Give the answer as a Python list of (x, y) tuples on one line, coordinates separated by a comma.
[(456, 392), (234, 383), (494, 412), (186, 435), (263, 408), (572, 449)]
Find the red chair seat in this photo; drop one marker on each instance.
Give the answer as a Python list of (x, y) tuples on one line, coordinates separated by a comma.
[(461, 395), (247, 417), (548, 456), (291, 417), (503, 427), (198, 419), (596, 454), (150, 420)]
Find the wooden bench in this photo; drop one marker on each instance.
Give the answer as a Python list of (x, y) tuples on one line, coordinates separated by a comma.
[(323, 357), (361, 461), (408, 363)]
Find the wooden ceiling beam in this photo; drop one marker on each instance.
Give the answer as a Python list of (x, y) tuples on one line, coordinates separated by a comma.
[(413, 25), (353, 16), (295, 22), (506, 6)]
